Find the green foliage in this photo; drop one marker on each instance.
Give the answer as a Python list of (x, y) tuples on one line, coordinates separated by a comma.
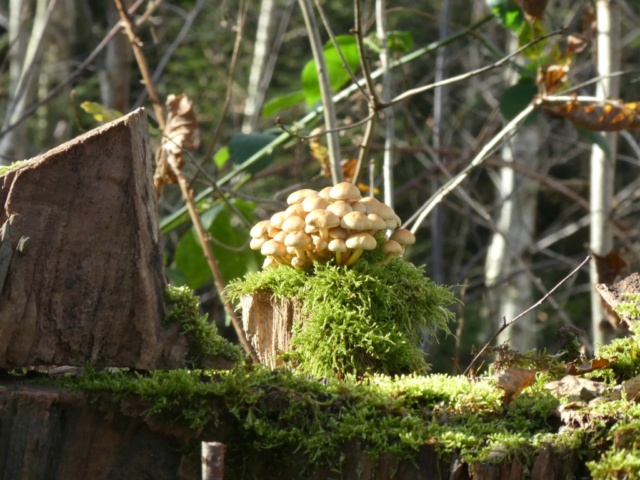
[(338, 74), (624, 354), (205, 345), (282, 102), (398, 41), (516, 98), (358, 320), (220, 223), (100, 113), (243, 146), (509, 14)]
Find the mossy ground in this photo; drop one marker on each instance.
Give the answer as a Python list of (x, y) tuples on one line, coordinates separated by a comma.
[(361, 320)]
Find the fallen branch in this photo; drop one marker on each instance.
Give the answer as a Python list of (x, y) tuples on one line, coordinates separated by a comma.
[(506, 324)]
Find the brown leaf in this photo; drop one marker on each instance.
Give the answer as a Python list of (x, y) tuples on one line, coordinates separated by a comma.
[(552, 77), (602, 117), (614, 294), (181, 130), (576, 388), (533, 9), (595, 364), (576, 43), (180, 133), (513, 381), (611, 266)]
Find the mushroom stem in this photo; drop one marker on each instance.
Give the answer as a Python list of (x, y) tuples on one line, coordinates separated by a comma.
[(355, 255)]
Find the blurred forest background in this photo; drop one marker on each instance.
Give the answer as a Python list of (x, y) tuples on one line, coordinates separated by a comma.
[(515, 226)]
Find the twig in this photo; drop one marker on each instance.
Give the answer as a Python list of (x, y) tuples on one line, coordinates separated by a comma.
[(58, 88), (443, 191), (333, 142), (295, 134), (506, 324), (464, 76), (244, 6), (142, 64), (171, 221), (389, 138), (187, 193), (364, 64)]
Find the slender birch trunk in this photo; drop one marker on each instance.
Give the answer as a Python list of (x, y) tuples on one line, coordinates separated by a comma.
[(603, 165), (510, 291)]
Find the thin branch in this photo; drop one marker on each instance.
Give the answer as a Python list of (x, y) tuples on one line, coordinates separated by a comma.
[(364, 148), (187, 193), (142, 63), (244, 6), (58, 88), (333, 142), (506, 324), (343, 128), (452, 184), (465, 76), (171, 221), (372, 97)]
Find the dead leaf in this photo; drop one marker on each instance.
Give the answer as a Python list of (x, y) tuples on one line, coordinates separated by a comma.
[(601, 117), (533, 9), (615, 294), (576, 43), (595, 364), (576, 388), (513, 381), (180, 133), (552, 77)]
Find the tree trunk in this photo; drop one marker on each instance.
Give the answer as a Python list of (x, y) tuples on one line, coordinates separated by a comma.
[(603, 165), (84, 281)]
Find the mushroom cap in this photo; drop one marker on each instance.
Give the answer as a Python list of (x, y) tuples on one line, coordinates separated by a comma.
[(299, 195), (273, 248), (294, 210), (392, 247), (345, 191), (338, 232), (310, 204), (277, 219), (340, 208), (324, 193), (297, 239), (403, 237), (373, 205), (362, 241), (391, 224), (377, 223), (355, 221), (320, 243), (256, 243), (293, 224), (358, 207), (279, 236), (260, 229), (322, 219), (337, 245)]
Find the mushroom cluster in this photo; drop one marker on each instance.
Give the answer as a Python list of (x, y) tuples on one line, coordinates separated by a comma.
[(334, 223)]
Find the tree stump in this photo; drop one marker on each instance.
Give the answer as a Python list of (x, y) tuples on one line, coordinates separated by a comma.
[(268, 324), (79, 256)]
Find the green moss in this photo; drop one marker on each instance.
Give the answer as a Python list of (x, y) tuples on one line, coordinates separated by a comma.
[(206, 347), (259, 412), (624, 355), (4, 169), (365, 319), (630, 309)]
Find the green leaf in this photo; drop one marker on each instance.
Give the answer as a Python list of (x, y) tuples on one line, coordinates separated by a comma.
[(509, 14), (282, 102), (244, 145), (338, 74), (190, 265), (222, 156), (595, 138), (399, 41), (515, 98), (100, 113)]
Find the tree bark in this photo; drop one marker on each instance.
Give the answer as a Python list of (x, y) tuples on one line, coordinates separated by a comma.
[(84, 281)]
